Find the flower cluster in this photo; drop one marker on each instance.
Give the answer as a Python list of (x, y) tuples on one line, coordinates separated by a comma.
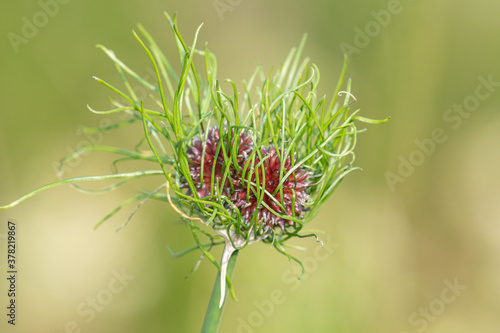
[(258, 185)]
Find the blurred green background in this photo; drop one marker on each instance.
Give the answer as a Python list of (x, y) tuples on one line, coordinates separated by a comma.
[(396, 247)]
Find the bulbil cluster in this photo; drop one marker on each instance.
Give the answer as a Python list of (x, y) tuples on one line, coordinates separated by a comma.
[(256, 184)]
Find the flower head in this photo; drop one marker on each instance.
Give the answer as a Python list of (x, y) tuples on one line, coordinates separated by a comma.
[(259, 186), (277, 152)]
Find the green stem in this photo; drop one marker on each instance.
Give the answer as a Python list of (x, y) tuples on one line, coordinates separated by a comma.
[(214, 313)]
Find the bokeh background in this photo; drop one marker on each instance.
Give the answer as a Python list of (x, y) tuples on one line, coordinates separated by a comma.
[(394, 249)]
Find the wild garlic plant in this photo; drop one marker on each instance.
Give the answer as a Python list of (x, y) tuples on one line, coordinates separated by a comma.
[(253, 164)]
